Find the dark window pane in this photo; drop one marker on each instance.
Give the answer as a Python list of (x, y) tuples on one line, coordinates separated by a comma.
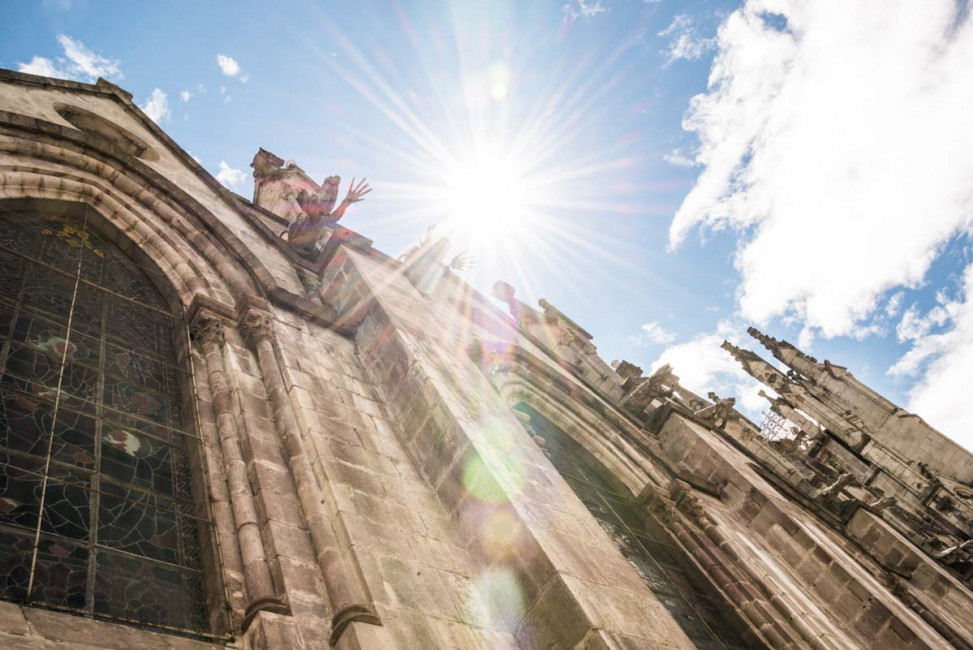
[(136, 369), (129, 588), (18, 550), (138, 522), (21, 481), (11, 276), (92, 455), (143, 330), (131, 398), (136, 458), (61, 574), (66, 503)]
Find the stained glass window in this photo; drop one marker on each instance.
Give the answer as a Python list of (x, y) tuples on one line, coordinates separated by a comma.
[(694, 605), (96, 515)]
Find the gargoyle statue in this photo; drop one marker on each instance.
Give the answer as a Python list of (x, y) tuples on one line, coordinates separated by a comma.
[(425, 266), (962, 552), (720, 412), (283, 188), (830, 493), (319, 213)]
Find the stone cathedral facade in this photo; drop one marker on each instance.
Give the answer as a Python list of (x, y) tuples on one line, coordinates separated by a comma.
[(227, 422)]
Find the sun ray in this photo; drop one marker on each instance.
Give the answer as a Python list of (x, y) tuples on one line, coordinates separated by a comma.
[(491, 149)]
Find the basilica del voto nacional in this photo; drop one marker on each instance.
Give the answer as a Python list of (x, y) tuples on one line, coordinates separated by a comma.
[(234, 422)]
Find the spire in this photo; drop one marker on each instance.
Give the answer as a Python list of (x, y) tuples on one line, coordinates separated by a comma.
[(768, 342), (741, 355), (789, 355)]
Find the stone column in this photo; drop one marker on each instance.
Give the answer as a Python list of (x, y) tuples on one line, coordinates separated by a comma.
[(208, 333), (347, 592)]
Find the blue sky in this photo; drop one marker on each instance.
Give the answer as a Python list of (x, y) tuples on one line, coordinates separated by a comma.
[(817, 176)]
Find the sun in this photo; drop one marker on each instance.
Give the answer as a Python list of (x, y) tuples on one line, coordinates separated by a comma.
[(489, 195)]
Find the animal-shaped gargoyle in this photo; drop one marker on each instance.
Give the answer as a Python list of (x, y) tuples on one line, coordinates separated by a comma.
[(319, 212), (286, 190), (425, 266)]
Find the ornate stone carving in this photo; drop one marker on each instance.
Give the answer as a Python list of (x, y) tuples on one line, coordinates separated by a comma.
[(792, 444), (830, 493), (688, 503), (659, 385), (629, 372), (286, 190), (568, 333), (207, 328), (256, 326), (662, 382), (664, 511), (506, 292), (276, 184), (266, 165), (959, 553), (925, 471), (720, 412), (882, 504), (317, 210), (424, 264)]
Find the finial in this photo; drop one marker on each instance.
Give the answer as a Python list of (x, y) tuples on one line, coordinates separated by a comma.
[(768, 342)]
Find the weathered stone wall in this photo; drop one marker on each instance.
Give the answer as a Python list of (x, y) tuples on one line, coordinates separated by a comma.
[(545, 572)]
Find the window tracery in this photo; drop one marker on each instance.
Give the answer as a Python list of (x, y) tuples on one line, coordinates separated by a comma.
[(96, 511), (643, 541)]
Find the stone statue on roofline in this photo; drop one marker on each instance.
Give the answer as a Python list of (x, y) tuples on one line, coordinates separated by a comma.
[(319, 211), (424, 264), (720, 412), (283, 188), (829, 493), (956, 554), (640, 392)]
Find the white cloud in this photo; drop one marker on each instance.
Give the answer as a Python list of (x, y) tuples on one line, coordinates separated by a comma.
[(942, 394), (678, 158), (582, 9), (653, 333), (43, 67), (157, 106), (894, 305), (840, 146), (230, 177), (805, 340), (703, 366), (78, 63), (684, 40), (185, 95), (228, 65)]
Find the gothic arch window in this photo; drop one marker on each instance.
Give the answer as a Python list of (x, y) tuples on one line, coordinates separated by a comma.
[(643, 541), (96, 512)]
